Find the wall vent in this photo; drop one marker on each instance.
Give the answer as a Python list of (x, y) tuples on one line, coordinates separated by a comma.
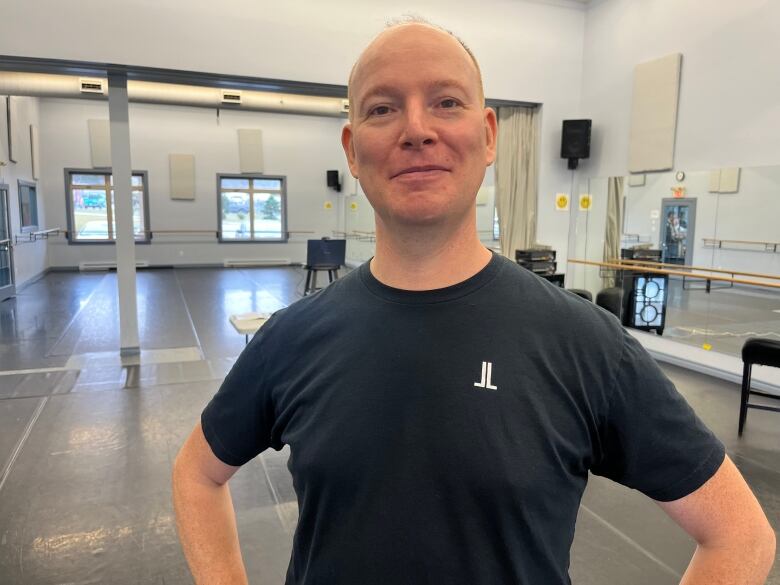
[(107, 265), (231, 96), (243, 263), (87, 85)]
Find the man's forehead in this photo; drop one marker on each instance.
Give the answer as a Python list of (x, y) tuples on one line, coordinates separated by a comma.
[(401, 44)]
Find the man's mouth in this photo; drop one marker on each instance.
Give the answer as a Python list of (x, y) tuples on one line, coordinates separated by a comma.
[(419, 169)]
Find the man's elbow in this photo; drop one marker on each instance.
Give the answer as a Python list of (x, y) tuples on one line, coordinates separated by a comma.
[(766, 542)]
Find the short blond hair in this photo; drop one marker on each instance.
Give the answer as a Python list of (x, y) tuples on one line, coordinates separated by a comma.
[(405, 20)]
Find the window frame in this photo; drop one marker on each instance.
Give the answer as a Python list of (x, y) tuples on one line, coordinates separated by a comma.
[(36, 220), (283, 200), (70, 211)]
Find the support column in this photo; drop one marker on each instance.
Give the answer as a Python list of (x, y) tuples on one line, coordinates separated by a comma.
[(123, 211)]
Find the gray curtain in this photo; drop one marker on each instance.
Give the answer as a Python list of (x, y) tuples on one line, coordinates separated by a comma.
[(516, 177), (614, 226)]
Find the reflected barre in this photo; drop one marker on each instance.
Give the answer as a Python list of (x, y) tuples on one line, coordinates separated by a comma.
[(682, 273), (699, 268), (38, 235), (718, 243), (360, 236)]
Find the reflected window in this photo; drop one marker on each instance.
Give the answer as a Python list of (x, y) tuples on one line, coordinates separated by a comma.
[(28, 206), (252, 208), (91, 206)]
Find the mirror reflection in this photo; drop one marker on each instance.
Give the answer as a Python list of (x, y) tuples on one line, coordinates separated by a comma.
[(694, 256)]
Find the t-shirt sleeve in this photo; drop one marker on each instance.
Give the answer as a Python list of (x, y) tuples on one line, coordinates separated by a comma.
[(650, 438), (237, 422)]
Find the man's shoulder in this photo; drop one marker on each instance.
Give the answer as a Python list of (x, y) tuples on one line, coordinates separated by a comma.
[(550, 310), (331, 302)]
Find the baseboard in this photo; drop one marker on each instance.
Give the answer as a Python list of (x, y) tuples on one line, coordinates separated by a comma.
[(32, 280), (718, 365)]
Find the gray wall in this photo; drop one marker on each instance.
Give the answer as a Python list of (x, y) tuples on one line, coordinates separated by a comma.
[(30, 259), (528, 51), (300, 147)]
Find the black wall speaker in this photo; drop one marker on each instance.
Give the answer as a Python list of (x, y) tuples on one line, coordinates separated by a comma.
[(575, 141), (333, 180)]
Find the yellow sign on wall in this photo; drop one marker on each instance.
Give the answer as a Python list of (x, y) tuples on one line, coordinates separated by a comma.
[(353, 206), (328, 205), (562, 202), (586, 201)]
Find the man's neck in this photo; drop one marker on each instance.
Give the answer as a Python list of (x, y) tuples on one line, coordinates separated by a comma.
[(423, 258)]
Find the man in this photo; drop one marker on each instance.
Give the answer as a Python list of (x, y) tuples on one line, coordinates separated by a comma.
[(442, 405)]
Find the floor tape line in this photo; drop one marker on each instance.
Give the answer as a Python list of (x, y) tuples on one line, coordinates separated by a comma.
[(633, 543), (22, 441)]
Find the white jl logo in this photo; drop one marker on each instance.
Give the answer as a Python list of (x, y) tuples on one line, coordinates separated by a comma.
[(487, 371)]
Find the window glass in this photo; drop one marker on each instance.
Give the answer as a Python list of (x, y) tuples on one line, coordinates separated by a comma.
[(235, 216), (268, 216), (267, 184), (77, 179), (92, 208), (254, 214), (28, 205), (233, 183)]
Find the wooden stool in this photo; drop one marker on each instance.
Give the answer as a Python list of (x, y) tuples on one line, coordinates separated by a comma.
[(311, 277), (765, 352)]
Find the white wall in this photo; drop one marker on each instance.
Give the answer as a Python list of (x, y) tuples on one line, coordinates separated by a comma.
[(300, 147), (29, 257), (529, 51), (729, 108)]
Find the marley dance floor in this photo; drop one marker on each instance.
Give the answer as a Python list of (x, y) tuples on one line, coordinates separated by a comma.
[(86, 443)]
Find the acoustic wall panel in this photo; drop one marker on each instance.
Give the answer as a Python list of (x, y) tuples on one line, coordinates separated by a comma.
[(654, 114), (4, 134), (724, 180), (182, 169), (729, 180), (250, 150), (714, 181), (34, 151), (100, 143)]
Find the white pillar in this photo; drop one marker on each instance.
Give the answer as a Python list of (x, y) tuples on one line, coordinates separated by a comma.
[(123, 212)]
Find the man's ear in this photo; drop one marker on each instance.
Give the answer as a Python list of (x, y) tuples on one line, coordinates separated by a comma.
[(349, 148), (491, 135)]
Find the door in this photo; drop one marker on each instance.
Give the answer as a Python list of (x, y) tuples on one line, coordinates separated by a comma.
[(6, 252), (677, 231)]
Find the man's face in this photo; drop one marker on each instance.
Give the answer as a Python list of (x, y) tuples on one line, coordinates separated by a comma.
[(419, 138)]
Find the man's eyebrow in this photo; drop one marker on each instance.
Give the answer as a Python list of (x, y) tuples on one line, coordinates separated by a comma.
[(392, 90)]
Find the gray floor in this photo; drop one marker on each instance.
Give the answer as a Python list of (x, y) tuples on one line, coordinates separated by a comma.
[(86, 445), (723, 318)]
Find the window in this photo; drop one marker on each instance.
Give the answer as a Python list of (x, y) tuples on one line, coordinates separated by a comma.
[(28, 206), (91, 206), (496, 230), (252, 208)]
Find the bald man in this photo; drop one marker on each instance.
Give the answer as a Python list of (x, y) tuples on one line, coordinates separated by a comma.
[(442, 405)]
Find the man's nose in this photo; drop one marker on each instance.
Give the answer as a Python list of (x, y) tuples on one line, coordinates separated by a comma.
[(418, 130)]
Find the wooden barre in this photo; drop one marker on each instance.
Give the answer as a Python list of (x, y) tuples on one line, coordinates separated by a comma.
[(674, 273), (719, 270), (742, 241)]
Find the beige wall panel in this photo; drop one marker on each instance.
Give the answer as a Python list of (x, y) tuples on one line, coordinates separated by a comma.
[(654, 114), (182, 173), (250, 150)]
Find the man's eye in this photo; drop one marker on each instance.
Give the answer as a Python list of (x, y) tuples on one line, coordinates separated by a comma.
[(379, 111), (449, 103)]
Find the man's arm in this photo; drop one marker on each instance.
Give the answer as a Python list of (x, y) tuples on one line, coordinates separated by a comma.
[(204, 513), (736, 544)]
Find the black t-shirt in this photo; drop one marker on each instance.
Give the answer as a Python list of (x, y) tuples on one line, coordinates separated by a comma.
[(445, 436)]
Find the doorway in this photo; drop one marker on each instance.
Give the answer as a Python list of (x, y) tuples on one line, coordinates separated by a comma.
[(678, 221), (7, 288)]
